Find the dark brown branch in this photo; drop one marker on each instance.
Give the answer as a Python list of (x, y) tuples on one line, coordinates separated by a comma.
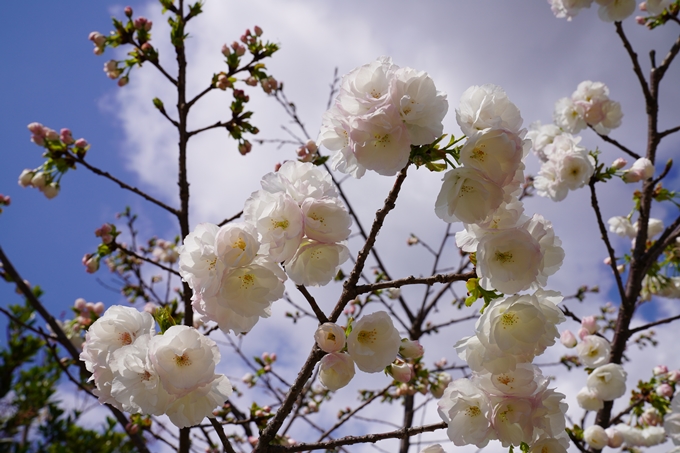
[(605, 238), (610, 140), (351, 440), (668, 59), (665, 171), (125, 186), (439, 278), (230, 219), (670, 131), (653, 324), (320, 315), (649, 100), (448, 323), (223, 437)]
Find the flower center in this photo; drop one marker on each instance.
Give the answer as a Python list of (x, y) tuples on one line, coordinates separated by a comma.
[(478, 153), (318, 218), (473, 411), (505, 379), (504, 257), (125, 338), (382, 140), (509, 319), (182, 360), (283, 224), (367, 336), (375, 94), (240, 244), (146, 376), (247, 281), (330, 336)]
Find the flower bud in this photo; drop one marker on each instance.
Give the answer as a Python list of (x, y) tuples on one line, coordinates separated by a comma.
[(245, 147), (640, 20), (664, 390), (674, 376), (39, 180), (643, 6), (619, 163), (226, 51), (590, 324), (37, 129), (98, 50), (99, 308), (311, 146), (257, 30), (25, 178), (65, 136), (51, 134), (251, 81), (128, 11), (659, 370), (147, 48), (51, 190), (607, 261), (642, 169), (596, 437), (123, 81), (97, 38), (568, 339), (91, 263), (410, 349), (81, 143), (615, 437), (80, 304), (650, 416), (330, 337), (583, 332), (400, 371)]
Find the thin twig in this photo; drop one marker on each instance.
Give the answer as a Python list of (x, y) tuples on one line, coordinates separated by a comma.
[(608, 139), (670, 131), (653, 324), (223, 437), (411, 280), (230, 219), (320, 315), (125, 186), (143, 258), (636, 64)]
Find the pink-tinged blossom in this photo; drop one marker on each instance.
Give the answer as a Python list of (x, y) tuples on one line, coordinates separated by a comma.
[(336, 370), (374, 342), (466, 409), (326, 219), (467, 196), (590, 324), (401, 371), (541, 136), (300, 180), (330, 337), (496, 153), (568, 339), (316, 263), (568, 8), (279, 222), (366, 88), (615, 10), (593, 350), (410, 349), (486, 106), (608, 382)]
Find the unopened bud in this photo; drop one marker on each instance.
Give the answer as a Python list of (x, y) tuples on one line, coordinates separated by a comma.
[(615, 437), (51, 134), (400, 371), (123, 81), (568, 339), (147, 48), (226, 51), (81, 143), (257, 30), (660, 370), (590, 324), (410, 349), (640, 20), (66, 137), (25, 178), (99, 308), (251, 81), (51, 190), (664, 390), (80, 304), (619, 163), (643, 6), (91, 263), (128, 11), (245, 147), (39, 180)]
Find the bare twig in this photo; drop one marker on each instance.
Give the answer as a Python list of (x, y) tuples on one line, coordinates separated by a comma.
[(230, 219), (411, 280), (608, 139), (143, 258), (223, 437), (320, 315)]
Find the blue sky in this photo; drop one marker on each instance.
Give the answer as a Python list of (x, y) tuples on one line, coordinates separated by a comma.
[(55, 79)]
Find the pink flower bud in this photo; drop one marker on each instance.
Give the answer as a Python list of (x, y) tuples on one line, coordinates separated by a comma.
[(65, 136), (128, 11), (81, 143), (311, 146), (150, 308), (37, 129), (79, 304), (147, 48), (590, 324), (25, 178), (607, 261), (400, 371), (643, 6), (583, 332), (91, 263), (615, 437), (257, 30), (97, 38), (251, 81), (664, 390), (265, 356), (642, 169), (674, 376), (640, 20), (99, 308), (98, 50), (51, 134), (267, 368), (568, 339), (89, 306), (272, 357), (123, 81), (619, 163), (659, 370), (245, 147), (225, 50), (410, 349), (51, 190)]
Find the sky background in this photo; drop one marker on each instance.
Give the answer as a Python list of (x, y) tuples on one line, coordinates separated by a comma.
[(51, 76)]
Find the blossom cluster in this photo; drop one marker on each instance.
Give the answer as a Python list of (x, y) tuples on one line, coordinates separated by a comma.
[(380, 111), (372, 344), (296, 219), (609, 11), (140, 372), (507, 398), (566, 165), (513, 252)]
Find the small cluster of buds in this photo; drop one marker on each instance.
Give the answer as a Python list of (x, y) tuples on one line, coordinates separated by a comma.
[(251, 38), (87, 311), (223, 82), (5, 200), (165, 252), (238, 49), (245, 147), (641, 170), (106, 232), (41, 181), (91, 262), (308, 152), (269, 84), (142, 23), (99, 42), (113, 72)]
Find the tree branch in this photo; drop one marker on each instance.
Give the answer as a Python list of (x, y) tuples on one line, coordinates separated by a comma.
[(610, 140), (411, 280), (649, 100), (312, 303), (223, 437), (143, 258)]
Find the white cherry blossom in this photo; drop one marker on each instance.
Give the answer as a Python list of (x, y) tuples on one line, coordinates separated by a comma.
[(316, 263), (336, 370), (467, 196), (593, 351), (326, 219), (607, 382), (374, 342), (487, 106), (467, 411), (330, 337), (496, 153)]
